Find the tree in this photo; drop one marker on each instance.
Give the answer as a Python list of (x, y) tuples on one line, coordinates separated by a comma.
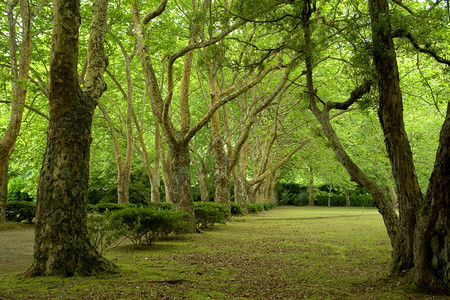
[(423, 219), (62, 246), (178, 139), (19, 80)]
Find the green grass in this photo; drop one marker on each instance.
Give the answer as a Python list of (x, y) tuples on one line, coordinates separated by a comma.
[(286, 253)]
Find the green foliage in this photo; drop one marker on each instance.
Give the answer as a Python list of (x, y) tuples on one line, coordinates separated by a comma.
[(104, 207), (160, 205), (18, 211), (101, 233), (361, 200), (236, 209), (17, 190), (356, 199), (137, 196), (269, 206), (290, 193), (143, 225), (210, 213), (254, 208)]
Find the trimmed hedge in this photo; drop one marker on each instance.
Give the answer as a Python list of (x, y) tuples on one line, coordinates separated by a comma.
[(210, 213), (104, 207), (18, 211), (236, 209), (254, 208), (143, 225)]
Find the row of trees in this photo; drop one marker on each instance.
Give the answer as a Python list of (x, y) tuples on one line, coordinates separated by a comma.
[(249, 84)]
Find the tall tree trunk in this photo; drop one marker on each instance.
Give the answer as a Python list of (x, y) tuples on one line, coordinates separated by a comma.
[(62, 245), (241, 196), (201, 174), (19, 73), (432, 234), (311, 186), (397, 144), (423, 232), (180, 177), (347, 198), (381, 201), (165, 167)]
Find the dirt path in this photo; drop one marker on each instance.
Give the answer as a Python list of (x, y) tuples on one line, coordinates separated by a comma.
[(16, 249)]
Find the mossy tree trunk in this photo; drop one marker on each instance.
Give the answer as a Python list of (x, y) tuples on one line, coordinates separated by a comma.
[(423, 235), (62, 245)]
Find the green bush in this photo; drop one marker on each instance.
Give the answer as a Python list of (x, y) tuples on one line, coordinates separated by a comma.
[(269, 206), (17, 191), (160, 205), (143, 225), (138, 197), (209, 213), (101, 233), (103, 207), (18, 211), (361, 200), (236, 209), (254, 208)]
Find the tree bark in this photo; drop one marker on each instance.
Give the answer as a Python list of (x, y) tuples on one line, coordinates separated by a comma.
[(221, 161), (201, 174), (393, 194), (423, 232), (19, 73), (180, 178), (62, 245), (347, 198)]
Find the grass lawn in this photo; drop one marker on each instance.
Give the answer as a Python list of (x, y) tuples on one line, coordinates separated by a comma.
[(286, 253)]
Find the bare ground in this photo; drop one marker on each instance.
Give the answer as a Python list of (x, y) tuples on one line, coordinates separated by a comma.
[(16, 248)]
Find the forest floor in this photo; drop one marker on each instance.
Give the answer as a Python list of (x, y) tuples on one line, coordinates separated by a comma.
[(286, 253)]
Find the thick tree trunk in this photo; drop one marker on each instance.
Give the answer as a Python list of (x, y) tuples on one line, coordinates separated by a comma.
[(432, 234), (62, 245), (123, 186), (181, 191), (423, 231), (241, 191), (221, 162)]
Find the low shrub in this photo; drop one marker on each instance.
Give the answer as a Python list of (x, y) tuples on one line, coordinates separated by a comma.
[(269, 206), (254, 208), (361, 200), (335, 200), (236, 209), (143, 225), (209, 213), (160, 205), (101, 233), (18, 211), (103, 207)]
